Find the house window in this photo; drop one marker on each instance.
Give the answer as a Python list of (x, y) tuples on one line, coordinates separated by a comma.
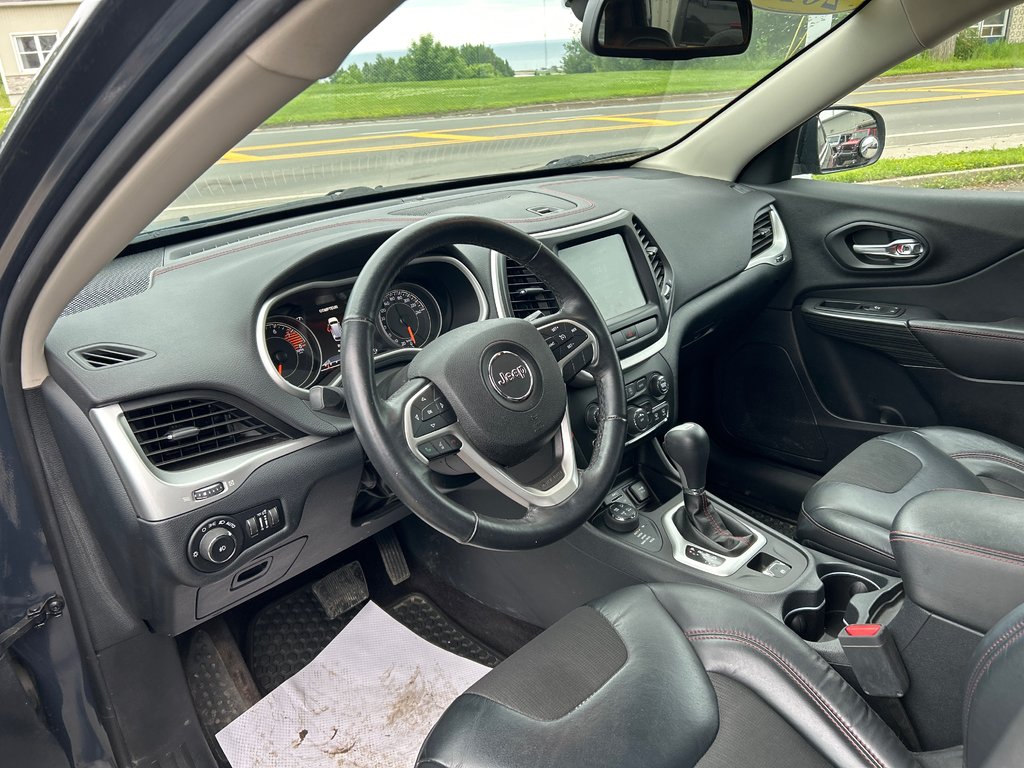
[(33, 50), (993, 26)]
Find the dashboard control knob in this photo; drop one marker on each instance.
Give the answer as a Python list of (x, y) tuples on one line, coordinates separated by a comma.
[(218, 545), (638, 419), (621, 518), (658, 386), (592, 417)]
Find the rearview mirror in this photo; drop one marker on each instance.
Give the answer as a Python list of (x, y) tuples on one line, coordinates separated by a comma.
[(667, 29), (840, 139)]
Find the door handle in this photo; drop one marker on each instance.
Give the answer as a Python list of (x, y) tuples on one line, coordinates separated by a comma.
[(904, 249)]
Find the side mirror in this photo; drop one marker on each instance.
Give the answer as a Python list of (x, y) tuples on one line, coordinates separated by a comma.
[(667, 29), (840, 139)]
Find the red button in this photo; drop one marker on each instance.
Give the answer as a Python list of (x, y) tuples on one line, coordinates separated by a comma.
[(863, 630)]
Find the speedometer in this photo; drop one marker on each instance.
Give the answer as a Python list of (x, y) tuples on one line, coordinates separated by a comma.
[(408, 317), (294, 351)]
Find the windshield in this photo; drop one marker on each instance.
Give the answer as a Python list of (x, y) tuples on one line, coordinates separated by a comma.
[(463, 89)]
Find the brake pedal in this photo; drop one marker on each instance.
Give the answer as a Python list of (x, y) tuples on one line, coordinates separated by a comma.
[(393, 556), (342, 590)]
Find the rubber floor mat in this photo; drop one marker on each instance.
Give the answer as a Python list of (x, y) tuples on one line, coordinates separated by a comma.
[(287, 634)]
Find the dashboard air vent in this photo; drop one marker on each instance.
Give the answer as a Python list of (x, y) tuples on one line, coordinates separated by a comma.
[(179, 434), (526, 293), (654, 256), (106, 355), (764, 233)]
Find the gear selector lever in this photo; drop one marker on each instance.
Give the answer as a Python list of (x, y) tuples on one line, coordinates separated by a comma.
[(699, 522)]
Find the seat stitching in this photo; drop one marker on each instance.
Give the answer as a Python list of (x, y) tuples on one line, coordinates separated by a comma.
[(972, 680), (780, 661), (847, 538), (957, 546), (1006, 645), (992, 456)]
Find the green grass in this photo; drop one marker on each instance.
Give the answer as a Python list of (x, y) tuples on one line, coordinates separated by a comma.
[(6, 110), (918, 166), (980, 180), (325, 102)]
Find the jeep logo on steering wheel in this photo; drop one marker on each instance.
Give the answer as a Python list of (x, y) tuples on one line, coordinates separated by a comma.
[(510, 376)]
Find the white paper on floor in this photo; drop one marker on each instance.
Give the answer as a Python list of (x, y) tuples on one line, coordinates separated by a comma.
[(367, 701)]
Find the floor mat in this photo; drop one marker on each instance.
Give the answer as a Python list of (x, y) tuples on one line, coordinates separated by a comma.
[(368, 699), (784, 527), (289, 633)]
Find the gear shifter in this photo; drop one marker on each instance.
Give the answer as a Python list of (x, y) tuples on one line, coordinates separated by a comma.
[(689, 448)]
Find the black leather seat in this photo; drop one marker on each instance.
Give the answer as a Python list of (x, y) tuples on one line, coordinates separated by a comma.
[(850, 511), (681, 676)]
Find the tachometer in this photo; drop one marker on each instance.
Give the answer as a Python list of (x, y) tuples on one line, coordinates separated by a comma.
[(407, 318), (294, 351)]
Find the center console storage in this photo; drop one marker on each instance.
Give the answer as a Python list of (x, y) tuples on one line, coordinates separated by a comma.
[(848, 595)]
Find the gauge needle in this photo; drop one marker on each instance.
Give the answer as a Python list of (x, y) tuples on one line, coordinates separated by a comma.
[(280, 368), (412, 336)]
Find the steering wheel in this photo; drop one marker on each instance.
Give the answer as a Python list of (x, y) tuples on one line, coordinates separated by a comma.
[(489, 397)]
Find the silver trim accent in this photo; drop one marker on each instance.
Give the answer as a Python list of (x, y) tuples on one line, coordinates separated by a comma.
[(731, 564), (892, 250), (264, 313), (497, 387), (494, 475), (158, 495), (850, 573), (806, 608), (777, 253)]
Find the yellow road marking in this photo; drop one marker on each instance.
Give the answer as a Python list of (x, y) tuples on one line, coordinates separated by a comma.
[(624, 121)]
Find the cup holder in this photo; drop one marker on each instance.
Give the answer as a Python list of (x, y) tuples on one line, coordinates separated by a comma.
[(845, 597)]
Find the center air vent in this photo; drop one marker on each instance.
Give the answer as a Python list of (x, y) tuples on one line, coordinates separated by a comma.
[(526, 293), (654, 257), (764, 233), (189, 432)]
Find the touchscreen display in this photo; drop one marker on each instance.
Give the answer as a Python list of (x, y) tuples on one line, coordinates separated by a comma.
[(606, 271)]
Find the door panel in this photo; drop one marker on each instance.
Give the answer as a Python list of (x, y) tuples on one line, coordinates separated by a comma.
[(874, 347)]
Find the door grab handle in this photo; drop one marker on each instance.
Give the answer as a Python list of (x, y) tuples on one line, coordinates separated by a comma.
[(906, 249)]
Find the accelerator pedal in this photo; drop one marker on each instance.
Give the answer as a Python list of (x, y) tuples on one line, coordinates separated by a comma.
[(393, 556)]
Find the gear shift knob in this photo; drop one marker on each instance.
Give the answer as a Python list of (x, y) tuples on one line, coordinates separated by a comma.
[(689, 448)]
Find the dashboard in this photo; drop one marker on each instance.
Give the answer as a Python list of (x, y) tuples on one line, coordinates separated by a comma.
[(181, 375)]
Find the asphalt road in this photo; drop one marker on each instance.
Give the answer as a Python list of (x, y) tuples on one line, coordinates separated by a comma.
[(924, 114)]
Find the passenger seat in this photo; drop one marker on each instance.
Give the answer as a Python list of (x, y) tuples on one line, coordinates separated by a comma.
[(850, 511)]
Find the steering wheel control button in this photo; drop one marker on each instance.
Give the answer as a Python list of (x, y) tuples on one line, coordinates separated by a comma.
[(208, 492), (621, 517), (431, 412), (510, 376)]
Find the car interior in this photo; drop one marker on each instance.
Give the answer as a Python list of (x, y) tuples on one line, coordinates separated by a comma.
[(713, 463)]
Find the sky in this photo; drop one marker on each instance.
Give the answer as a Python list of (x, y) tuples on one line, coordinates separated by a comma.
[(454, 22)]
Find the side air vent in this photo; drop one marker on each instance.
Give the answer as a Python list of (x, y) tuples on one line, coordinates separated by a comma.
[(106, 355), (526, 293), (179, 434), (764, 233), (657, 261)]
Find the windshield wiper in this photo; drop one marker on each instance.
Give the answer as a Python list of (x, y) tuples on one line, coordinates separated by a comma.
[(601, 157)]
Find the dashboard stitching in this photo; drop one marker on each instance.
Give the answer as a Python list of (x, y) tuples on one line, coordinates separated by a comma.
[(303, 231)]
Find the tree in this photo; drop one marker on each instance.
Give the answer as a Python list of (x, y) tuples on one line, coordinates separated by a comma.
[(429, 60), (484, 54), (577, 59)]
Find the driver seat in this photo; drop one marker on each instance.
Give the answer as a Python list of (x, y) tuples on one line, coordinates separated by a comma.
[(670, 675)]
